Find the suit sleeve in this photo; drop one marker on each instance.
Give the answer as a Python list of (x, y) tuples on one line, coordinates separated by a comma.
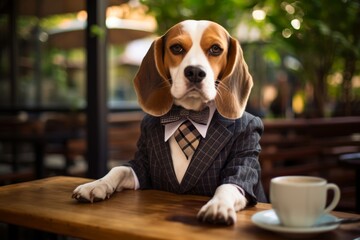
[(140, 163), (243, 167)]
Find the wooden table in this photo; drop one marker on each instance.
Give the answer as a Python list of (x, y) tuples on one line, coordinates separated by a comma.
[(47, 205)]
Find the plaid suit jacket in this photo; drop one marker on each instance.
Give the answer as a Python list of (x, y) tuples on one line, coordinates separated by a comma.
[(228, 154)]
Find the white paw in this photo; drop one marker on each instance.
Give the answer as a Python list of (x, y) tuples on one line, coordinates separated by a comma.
[(93, 191), (217, 211)]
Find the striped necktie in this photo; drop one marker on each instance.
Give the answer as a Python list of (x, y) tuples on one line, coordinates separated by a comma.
[(188, 138)]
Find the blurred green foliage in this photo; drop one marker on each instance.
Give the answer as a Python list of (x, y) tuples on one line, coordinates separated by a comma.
[(327, 40), (323, 35), (226, 13)]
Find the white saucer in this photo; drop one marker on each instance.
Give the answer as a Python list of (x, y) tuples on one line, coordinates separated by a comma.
[(268, 220)]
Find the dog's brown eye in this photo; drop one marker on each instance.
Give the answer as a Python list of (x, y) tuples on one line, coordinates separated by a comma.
[(176, 49), (215, 50)]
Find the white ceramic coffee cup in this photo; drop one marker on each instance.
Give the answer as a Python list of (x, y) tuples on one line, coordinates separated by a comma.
[(299, 201)]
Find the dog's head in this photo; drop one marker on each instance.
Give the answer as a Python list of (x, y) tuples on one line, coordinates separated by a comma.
[(193, 63)]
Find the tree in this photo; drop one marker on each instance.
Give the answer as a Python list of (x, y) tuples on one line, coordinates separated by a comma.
[(323, 35), (319, 33), (168, 13)]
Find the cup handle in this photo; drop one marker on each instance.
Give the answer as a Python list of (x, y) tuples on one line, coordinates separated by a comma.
[(336, 198)]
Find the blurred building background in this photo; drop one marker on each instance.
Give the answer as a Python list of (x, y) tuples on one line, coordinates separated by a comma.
[(304, 57)]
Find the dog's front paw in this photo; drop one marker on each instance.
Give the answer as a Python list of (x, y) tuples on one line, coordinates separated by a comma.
[(93, 191), (217, 211)]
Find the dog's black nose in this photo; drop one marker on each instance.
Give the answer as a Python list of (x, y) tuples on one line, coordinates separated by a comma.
[(194, 74)]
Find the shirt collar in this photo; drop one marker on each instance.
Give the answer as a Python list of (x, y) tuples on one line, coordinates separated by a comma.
[(170, 128)]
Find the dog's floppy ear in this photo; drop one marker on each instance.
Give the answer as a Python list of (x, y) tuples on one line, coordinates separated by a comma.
[(235, 84), (151, 83)]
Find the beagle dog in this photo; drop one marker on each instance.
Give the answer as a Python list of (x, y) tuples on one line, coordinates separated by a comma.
[(195, 65)]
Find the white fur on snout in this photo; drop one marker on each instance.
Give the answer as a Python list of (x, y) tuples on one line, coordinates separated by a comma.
[(187, 94)]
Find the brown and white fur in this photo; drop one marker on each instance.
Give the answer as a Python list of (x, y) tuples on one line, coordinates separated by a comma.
[(193, 64)]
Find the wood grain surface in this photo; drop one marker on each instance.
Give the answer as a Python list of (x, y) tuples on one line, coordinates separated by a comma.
[(47, 205)]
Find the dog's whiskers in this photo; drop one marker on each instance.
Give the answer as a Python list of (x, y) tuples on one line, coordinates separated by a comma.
[(163, 85), (218, 93), (219, 86)]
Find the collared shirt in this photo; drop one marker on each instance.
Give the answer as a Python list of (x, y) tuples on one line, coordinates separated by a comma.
[(181, 164), (170, 128)]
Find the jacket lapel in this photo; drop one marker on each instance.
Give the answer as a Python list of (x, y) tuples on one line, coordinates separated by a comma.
[(164, 157), (219, 133)]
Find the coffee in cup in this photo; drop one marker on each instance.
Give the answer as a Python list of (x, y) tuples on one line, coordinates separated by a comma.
[(299, 201)]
